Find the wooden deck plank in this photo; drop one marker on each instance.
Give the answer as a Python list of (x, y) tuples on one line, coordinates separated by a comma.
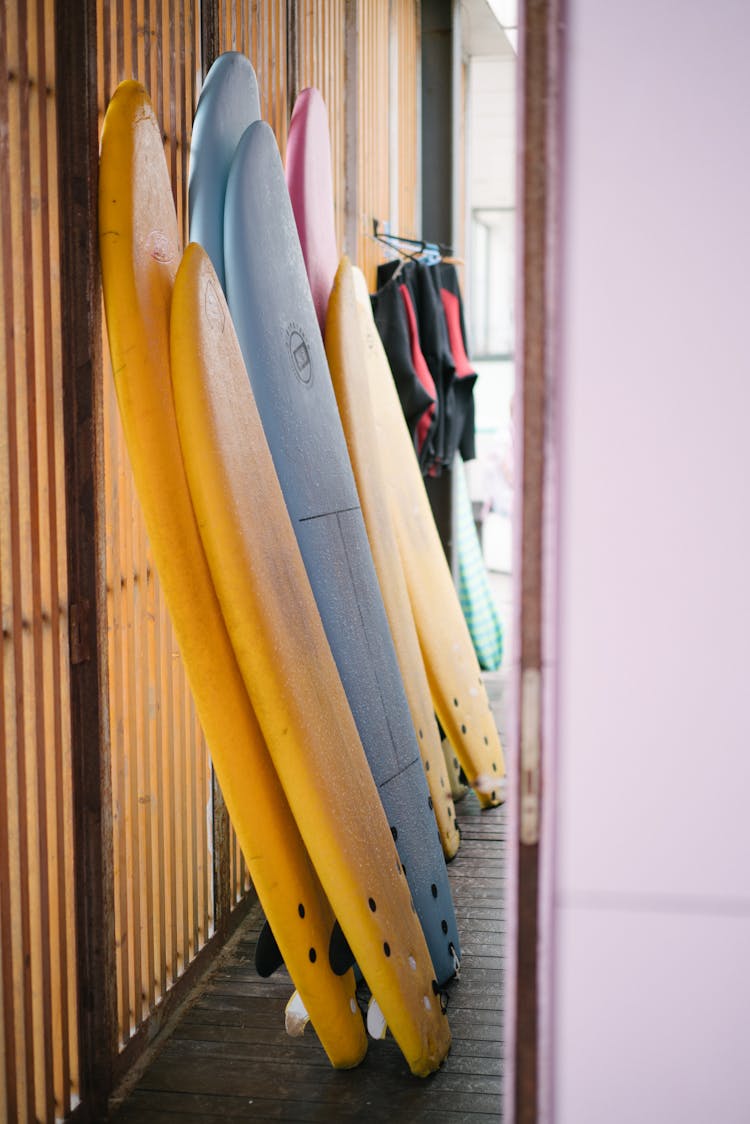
[(196, 1110), (229, 1055)]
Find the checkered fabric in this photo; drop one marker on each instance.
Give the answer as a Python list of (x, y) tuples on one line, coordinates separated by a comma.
[(474, 591)]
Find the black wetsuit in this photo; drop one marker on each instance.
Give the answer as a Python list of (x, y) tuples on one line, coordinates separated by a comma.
[(419, 316)]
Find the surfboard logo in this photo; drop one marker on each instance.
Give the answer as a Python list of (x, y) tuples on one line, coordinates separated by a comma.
[(159, 246), (299, 352)]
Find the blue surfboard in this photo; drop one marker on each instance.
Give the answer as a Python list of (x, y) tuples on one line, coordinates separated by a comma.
[(273, 312), (228, 103)]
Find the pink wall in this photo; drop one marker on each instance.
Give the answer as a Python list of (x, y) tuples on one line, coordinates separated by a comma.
[(651, 958)]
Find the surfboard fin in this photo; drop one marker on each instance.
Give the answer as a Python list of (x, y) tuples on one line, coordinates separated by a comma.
[(376, 1024), (340, 956), (296, 1017), (456, 776), (267, 953)]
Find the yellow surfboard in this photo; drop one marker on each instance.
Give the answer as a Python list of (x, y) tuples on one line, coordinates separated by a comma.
[(287, 665), (140, 253), (458, 692), (345, 347)]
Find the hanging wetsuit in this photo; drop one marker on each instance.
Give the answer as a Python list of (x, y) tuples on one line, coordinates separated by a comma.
[(433, 295), (395, 313), (419, 314), (433, 338)]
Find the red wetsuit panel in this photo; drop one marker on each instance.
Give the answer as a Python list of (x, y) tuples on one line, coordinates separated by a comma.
[(421, 369), (455, 335)]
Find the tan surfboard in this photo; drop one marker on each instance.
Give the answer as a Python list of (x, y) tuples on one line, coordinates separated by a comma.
[(346, 347), (458, 692)]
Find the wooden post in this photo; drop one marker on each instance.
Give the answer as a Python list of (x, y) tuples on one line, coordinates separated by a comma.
[(210, 34), (539, 94), (292, 55), (75, 38)]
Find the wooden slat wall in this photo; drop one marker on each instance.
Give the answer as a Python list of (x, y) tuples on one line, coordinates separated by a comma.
[(258, 28), (39, 1077), (373, 163), (320, 62), (406, 15), (161, 782)]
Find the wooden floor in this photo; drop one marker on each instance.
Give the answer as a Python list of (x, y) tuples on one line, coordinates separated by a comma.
[(229, 1055)]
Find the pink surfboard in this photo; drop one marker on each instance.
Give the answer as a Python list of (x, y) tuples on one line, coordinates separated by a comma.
[(310, 183)]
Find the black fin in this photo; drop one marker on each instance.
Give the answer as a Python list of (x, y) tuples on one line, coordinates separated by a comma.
[(340, 956), (267, 953)]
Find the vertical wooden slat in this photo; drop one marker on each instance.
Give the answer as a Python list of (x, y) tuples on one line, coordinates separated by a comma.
[(223, 882), (81, 363), (55, 677), (407, 118), (210, 35), (207, 906), (131, 750), (39, 549), (159, 812), (373, 143), (352, 29), (170, 803), (192, 766), (181, 819), (14, 1070), (118, 502), (18, 570), (146, 794), (292, 54)]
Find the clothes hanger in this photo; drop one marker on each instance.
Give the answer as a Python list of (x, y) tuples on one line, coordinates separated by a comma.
[(430, 253), (417, 249)]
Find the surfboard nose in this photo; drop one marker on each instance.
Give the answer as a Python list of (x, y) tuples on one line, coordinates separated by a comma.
[(228, 103)]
